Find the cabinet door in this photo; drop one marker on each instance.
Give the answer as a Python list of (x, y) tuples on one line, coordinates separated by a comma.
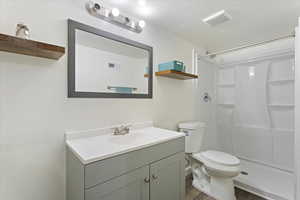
[(131, 186), (168, 178)]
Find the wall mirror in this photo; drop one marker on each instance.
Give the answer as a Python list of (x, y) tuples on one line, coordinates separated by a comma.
[(104, 65)]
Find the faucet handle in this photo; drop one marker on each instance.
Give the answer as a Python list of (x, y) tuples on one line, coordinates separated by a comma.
[(121, 130), (116, 130), (124, 126), (127, 125)]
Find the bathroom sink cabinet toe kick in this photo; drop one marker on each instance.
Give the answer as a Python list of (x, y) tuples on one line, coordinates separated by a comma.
[(152, 173)]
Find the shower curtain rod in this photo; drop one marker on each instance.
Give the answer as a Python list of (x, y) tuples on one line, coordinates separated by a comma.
[(246, 46)]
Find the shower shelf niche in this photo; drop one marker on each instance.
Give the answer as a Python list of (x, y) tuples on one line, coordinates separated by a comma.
[(281, 105), (281, 81), (30, 48), (226, 104), (226, 85)]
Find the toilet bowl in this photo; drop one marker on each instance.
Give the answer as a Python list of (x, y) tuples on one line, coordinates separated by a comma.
[(213, 171), (218, 170)]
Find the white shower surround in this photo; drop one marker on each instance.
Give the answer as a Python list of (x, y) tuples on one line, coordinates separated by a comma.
[(255, 115)]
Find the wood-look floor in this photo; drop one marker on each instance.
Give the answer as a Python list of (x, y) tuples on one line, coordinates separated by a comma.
[(194, 194)]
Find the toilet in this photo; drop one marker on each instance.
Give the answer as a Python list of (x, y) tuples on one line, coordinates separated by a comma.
[(213, 171)]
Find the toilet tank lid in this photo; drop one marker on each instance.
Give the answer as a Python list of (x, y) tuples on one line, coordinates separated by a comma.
[(191, 125)]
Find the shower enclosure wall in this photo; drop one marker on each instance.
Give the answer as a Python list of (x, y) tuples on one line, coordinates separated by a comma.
[(255, 115)]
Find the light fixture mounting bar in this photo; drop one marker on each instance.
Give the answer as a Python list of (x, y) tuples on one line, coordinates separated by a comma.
[(114, 17)]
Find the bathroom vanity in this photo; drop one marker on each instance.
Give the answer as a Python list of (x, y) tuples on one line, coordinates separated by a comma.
[(147, 163)]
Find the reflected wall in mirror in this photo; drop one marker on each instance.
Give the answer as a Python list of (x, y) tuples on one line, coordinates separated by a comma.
[(104, 65)]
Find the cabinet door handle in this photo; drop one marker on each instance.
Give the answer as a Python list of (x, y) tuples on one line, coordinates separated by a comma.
[(154, 177), (146, 180)]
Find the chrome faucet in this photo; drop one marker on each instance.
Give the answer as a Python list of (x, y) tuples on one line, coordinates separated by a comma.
[(121, 130)]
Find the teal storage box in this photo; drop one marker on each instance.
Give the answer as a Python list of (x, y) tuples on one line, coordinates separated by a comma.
[(173, 65), (124, 90)]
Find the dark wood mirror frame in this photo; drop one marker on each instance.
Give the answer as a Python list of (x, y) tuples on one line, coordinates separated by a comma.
[(72, 93)]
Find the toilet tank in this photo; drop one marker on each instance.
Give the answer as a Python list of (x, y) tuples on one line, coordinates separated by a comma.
[(194, 132)]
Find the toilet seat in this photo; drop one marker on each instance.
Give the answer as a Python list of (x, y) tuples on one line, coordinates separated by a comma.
[(219, 163), (221, 158)]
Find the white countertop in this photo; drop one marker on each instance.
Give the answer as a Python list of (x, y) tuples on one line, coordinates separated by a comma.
[(102, 146)]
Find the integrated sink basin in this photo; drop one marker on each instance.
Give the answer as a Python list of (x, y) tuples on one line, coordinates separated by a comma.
[(91, 146), (127, 139)]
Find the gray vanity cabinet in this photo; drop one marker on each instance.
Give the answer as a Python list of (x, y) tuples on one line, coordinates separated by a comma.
[(152, 173), (131, 186), (167, 179)]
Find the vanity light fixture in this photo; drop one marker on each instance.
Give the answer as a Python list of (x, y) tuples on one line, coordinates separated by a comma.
[(114, 16), (132, 24), (127, 20), (106, 13)]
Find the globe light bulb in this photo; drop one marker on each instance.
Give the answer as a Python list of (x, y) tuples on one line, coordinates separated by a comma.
[(115, 12), (142, 23)]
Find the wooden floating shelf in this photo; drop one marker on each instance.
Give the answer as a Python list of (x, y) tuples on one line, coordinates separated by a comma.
[(176, 75), (29, 47)]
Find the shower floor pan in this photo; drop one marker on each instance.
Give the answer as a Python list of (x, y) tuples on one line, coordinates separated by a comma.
[(265, 181)]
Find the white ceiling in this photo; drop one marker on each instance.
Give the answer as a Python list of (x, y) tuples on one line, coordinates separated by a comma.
[(253, 20)]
